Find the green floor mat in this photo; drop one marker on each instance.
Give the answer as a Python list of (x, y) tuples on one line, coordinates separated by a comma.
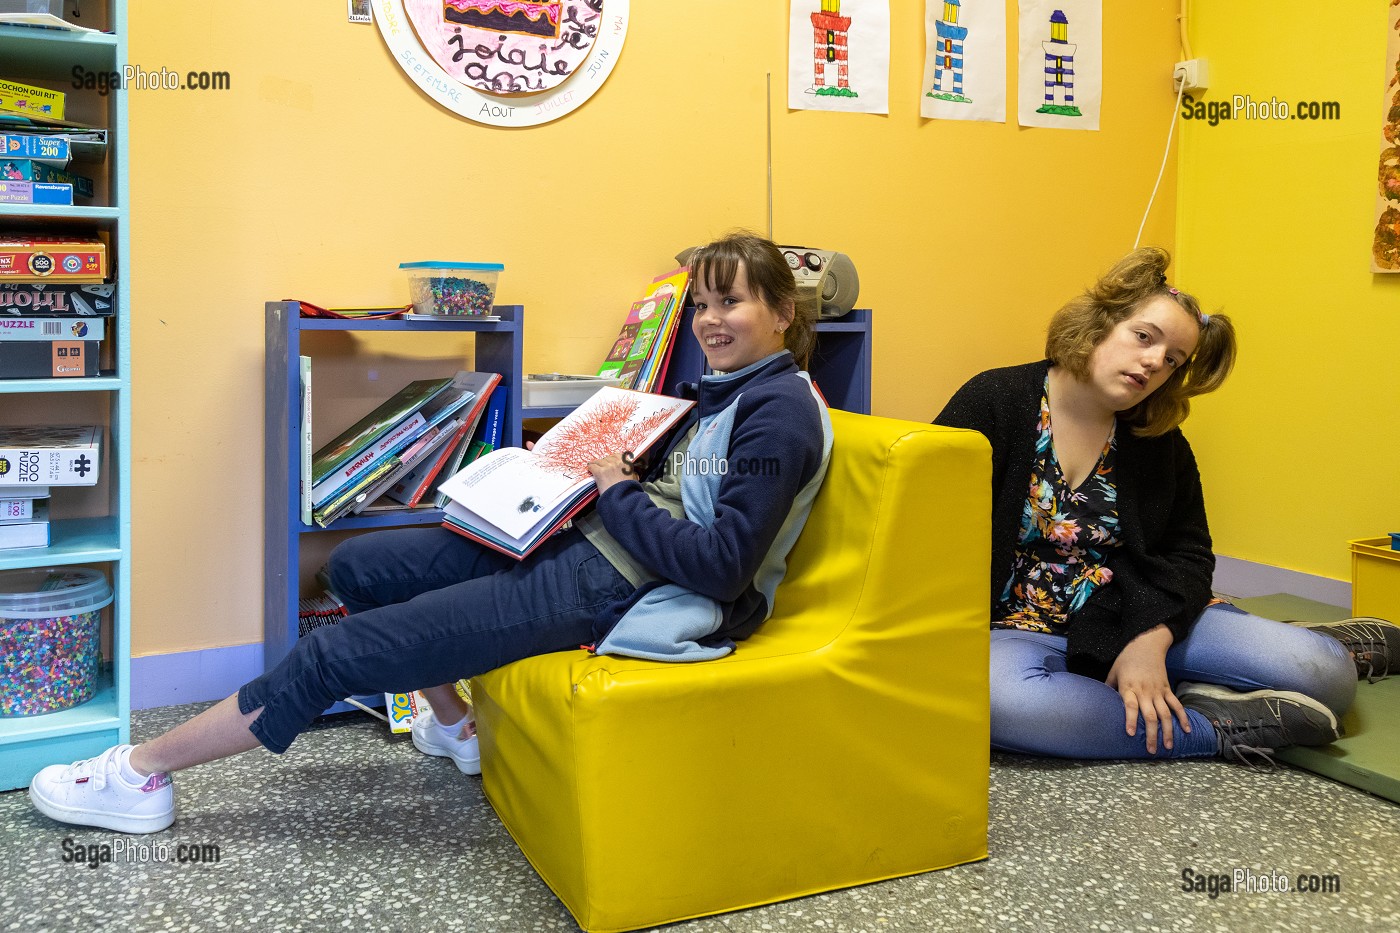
[(1368, 756)]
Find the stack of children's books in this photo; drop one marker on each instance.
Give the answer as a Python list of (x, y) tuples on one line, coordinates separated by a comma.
[(642, 350), (398, 451), (33, 459)]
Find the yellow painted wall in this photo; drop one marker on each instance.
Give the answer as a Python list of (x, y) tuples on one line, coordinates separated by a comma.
[(324, 167), (1300, 449)]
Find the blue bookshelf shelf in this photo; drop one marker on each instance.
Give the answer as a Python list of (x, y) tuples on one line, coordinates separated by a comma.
[(497, 349)]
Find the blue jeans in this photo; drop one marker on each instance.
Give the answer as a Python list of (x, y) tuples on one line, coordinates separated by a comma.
[(1039, 708), (430, 607)]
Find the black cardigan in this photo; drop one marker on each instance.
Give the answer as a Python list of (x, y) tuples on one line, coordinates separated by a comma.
[(1162, 571)]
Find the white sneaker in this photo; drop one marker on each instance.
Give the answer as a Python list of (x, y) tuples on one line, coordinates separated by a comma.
[(93, 793), (427, 738)]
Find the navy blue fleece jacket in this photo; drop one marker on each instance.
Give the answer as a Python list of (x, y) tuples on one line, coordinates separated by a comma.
[(775, 449)]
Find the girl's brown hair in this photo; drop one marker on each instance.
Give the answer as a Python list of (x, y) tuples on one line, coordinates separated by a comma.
[(1083, 323), (770, 280)]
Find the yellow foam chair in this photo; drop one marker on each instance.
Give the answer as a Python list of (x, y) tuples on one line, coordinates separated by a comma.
[(845, 742)]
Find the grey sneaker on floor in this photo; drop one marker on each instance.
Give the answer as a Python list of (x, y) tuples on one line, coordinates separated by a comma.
[(1250, 725), (1373, 643)]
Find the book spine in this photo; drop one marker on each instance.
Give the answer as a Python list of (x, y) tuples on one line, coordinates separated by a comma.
[(397, 438), (345, 500), (16, 510), (36, 171), (414, 454), (411, 489), (52, 328), (48, 148), (489, 432), (47, 359), (33, 192), (305, 366), (496, 417)]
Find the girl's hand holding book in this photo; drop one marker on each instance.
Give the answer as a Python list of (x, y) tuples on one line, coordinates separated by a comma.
[(611, 470)]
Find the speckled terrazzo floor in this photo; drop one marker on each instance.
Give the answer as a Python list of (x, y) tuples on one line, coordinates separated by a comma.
[(355, 830)]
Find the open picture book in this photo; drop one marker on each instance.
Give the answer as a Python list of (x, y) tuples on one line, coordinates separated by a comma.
[(512, 499)]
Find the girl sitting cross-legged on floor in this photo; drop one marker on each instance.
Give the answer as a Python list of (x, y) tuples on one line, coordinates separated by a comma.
[(430, 607), (1105, 642)]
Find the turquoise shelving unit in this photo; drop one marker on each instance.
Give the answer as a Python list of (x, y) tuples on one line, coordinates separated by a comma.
[(45, 57)]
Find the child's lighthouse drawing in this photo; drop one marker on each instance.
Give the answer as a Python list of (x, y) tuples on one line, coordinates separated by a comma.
[(830, 47), (839, 55), (1059, 69), (948, 55)]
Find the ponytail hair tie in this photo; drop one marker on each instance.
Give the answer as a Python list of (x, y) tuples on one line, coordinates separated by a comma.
[(1173, 291), (1205, 319)]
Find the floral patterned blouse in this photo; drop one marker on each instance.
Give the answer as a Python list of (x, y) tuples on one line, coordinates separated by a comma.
[(1066, 536)]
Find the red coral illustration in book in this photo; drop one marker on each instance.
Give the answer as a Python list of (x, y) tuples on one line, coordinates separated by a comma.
[(612, 428)]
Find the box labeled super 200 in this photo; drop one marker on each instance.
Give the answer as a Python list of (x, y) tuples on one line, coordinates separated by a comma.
[(53, 259)]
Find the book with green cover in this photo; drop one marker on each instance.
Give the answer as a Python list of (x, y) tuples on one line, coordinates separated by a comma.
[(646, 333), (351, 442)]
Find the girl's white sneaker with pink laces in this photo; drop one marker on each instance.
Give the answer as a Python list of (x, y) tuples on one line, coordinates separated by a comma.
[(432, 739), (94, 793)]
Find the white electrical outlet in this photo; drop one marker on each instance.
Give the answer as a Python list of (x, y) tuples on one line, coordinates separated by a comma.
[(1190, 75)]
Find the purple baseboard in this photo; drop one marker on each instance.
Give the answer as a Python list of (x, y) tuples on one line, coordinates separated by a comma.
[(1237, 577), (193, 676)]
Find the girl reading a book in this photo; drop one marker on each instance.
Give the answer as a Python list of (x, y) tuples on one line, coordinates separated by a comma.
[(1105, 642), (429, 607)]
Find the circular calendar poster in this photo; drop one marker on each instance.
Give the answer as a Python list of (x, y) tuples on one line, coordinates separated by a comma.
[(505, 62), (507, 46)]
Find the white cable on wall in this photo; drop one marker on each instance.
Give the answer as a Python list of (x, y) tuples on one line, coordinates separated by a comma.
[(1176, 108)]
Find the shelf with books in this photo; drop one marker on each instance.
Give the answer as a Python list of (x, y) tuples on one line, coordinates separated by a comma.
[(496, 349), (47, 58)]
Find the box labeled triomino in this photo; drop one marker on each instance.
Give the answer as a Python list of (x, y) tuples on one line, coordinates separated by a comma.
[(50, 646)]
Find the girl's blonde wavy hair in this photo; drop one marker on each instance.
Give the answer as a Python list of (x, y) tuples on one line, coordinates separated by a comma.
[(1083, 323)]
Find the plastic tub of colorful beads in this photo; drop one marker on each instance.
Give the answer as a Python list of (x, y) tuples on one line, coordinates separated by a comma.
[(453, 289), (50, 649)]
